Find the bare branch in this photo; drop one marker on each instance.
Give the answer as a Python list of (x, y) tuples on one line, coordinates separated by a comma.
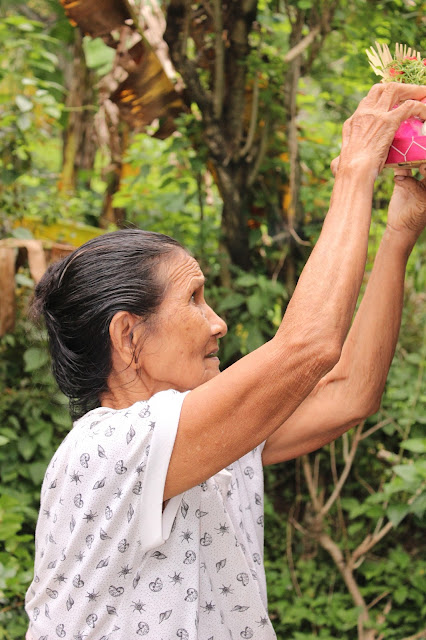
[(316, 470), (253, 119), (293, 575), (376, 427), (335, 480), (303, 44), (334, 550), (365, 484), (382, 616), (338, 487), (345, 442), (260, 156), (307, 469), (297, 238), (417, 636), (377, 600), (280, 263), (369, 542), (299, 527)]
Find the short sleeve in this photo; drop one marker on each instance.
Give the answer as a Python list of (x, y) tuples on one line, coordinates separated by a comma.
[(105, 483), (157, 523)]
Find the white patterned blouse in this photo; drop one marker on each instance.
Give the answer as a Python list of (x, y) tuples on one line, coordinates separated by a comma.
[(112, 563)]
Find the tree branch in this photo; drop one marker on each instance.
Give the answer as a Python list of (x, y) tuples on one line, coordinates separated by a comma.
[(376, 427), (338, 487), (175, 35), (219, 61), (260, 156), (333, 549), (369, 542), (335, 480), (307, 469), (289, 549), (253, 119), (377, 600), (303, 44), (417, 636)]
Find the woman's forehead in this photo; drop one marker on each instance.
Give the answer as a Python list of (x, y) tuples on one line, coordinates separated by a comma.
[(183, 270)]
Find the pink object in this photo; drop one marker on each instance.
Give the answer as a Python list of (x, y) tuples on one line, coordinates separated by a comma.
[(408, 148)]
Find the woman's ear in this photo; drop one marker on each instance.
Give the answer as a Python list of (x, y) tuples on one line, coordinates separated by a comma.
[(124, 338)]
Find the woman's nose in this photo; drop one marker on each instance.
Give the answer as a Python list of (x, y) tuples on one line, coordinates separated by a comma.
[(218, 325)]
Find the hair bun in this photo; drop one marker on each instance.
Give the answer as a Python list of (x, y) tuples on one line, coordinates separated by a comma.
[(43, 290)]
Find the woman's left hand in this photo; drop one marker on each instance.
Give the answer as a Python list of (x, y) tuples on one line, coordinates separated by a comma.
[(407, 208)]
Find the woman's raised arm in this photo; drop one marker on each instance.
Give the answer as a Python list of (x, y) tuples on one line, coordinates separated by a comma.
[(229, 415)]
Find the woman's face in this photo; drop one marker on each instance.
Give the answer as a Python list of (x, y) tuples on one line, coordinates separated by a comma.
[(179, 352)]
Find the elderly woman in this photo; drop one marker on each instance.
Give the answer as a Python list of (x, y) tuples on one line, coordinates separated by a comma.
[(151, 519)]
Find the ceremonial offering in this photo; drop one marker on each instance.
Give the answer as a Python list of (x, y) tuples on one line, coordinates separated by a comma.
[(408, 148)]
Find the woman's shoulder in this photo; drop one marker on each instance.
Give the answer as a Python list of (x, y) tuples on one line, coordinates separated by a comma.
[(160, 403)]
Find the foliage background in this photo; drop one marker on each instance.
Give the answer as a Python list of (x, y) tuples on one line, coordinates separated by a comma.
[(168, 188)]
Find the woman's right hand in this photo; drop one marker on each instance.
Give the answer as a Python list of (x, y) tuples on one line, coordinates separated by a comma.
[(407, 208), (368, 133)]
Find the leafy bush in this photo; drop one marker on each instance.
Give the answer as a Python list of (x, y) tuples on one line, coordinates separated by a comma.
[(33, 419)]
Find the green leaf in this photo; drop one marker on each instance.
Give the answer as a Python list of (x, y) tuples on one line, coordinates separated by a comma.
[(418, 445), (35, 358), (98, 55), (61, 417), (255, 338), (246, 280), (26, 447), (414, 358), (400, 594), (231, 301), (355, 528), (24, 281), (255, 305), (418, 507), (407, 472), (396, 513), (37, 471), (3, 441)]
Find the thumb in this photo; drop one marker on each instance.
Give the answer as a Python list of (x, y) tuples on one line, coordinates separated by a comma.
[(411, 185)]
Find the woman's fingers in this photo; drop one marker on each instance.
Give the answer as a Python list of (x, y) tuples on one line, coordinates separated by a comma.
[(387, 95), (368, 133), (407, 109), (396, 93), (399, 171)]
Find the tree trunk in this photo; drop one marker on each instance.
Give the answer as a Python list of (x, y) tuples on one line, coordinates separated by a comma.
[(222, 106), (79, 144), (119, 141), (232, 183)]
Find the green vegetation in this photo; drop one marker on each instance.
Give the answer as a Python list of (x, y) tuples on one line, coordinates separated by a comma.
[(64, 160)]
